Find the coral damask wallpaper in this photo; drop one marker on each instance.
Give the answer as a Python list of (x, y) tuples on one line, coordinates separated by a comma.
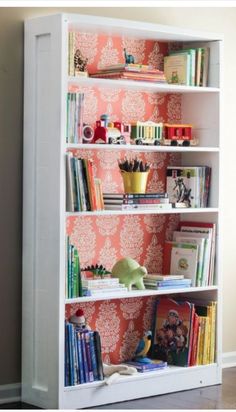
[(105, 239)]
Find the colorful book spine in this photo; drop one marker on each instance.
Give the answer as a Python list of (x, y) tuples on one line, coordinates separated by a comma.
[(85, 362), (80, 358), (93, 356), (98, 351), (88, 356)]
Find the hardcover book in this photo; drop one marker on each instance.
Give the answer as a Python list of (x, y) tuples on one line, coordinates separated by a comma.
[(171, 332), (177, 69)]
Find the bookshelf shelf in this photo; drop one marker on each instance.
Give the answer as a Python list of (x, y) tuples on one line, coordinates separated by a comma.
[(140, 293), (46, 222), (136, 148), (145, 212), (139, 85)]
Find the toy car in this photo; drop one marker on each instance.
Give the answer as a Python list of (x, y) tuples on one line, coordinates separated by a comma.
[(178, 135), (146, 133)]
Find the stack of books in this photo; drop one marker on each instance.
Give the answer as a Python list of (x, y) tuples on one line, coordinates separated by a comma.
[(129, 201), (153, 365), (192, 253), (131, 72), (84, 192), (100, 287), (163, 282), (187, 66), (83, 359), (75, 114)]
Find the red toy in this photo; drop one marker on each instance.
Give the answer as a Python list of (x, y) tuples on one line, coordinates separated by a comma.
[(113, 133), (178, 134)]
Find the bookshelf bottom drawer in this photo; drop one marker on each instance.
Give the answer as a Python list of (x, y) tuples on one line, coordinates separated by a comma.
[(141, 386)]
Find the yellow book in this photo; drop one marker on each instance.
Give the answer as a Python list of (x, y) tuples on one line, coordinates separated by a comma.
[(213, 333), (205, 352), (200, 340)]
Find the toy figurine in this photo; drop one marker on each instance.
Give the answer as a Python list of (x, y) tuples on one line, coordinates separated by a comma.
[(143, 348), (97, 270), (79, 320), (80, 62), (129, 58), (130, 273)]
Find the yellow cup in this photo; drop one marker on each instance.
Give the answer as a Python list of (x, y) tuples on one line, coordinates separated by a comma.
[(134, 182)]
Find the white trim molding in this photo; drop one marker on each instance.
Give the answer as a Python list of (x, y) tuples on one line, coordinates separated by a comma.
[(10, 393), (228, 359)]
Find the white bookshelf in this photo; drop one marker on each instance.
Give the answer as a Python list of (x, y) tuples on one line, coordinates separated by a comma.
[(44, 216)]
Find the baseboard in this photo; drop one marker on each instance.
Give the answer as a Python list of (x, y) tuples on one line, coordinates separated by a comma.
[(10, 393), (229, 359)]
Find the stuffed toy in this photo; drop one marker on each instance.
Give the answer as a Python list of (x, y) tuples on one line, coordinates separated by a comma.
[(129, 272), (113, 372)]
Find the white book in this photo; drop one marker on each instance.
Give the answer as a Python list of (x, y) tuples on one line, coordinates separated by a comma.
[(182, 185), (206, 233), (180, 237), (105, 281), (184, 261), (101, 292), (164, 277), (69, 184)]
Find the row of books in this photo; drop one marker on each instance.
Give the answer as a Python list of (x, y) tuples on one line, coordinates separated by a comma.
[(73, 286), (188, 186), (184, 332), (99, 287), (191, 253), (75, 115), (187, 66), (131, 72), (165, 282), (83, 358), (121, 201), (84, 191)]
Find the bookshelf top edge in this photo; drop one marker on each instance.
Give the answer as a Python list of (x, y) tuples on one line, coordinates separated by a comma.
[(137, 29)]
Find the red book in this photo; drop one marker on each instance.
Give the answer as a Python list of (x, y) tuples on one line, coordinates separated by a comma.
[(191, 335), (193, 357), (91, 186)]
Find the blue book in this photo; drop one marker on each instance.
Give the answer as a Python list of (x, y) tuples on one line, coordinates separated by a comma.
[(85, 363), (89, 358), (93, 356), (147, 367), (98, 350), (76, 360), (80, 358), (174, 282), (173, 287), (67, 363), (71, 358)]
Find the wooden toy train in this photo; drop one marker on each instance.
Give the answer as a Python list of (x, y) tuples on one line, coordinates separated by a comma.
[(142, 133)]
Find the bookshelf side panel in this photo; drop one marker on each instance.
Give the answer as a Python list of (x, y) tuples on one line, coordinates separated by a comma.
[(43, 200)]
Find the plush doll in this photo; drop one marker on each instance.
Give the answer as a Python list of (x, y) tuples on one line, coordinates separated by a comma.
[(129, 272), (79, 320), (113, 372)]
